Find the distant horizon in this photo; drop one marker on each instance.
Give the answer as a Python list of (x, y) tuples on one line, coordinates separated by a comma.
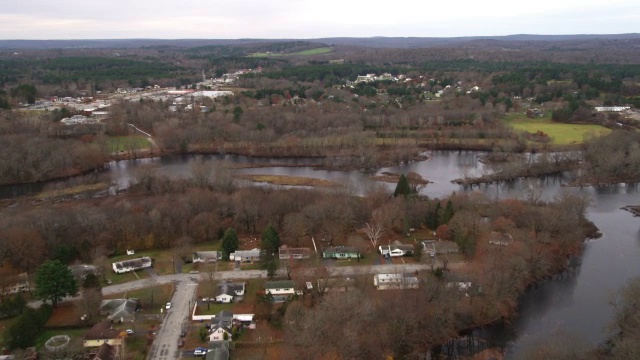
[(328, 37), (307, 19)]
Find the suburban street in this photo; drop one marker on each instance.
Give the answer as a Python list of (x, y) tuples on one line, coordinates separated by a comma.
[(165, 345), (255, 274)]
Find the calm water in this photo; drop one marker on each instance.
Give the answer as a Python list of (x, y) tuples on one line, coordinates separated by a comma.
[(577, 304)]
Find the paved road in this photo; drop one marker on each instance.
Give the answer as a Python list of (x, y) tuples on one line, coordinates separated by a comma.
[(165, 345)]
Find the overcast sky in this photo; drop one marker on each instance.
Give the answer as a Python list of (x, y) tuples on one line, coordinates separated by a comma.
[(232, 19)]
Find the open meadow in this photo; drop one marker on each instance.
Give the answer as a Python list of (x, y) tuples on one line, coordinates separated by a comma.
[(560, 133)]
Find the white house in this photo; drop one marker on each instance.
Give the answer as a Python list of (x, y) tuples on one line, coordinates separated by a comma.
[(395, 281), (282, 287), (395, 250), (206, 256), (245, 255), (218, 333), (121, 267), (228, 291)]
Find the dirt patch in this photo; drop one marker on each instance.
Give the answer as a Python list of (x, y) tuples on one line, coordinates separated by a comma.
[(412, 177), (289, 180), (65, 315)]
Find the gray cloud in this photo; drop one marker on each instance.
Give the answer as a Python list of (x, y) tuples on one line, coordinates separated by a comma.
[(72, 19)]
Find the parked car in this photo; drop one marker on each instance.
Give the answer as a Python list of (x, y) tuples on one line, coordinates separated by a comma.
[(200, 352), (168, 306), (194, 272), (180, 342), (130, 331)]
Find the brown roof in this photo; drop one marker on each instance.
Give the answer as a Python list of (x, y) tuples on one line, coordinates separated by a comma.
[(106, 352), (102, 330)]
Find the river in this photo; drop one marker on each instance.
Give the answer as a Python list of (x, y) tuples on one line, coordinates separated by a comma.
[(576, 304)]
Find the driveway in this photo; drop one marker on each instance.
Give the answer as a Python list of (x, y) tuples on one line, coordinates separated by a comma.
[(165, 345)]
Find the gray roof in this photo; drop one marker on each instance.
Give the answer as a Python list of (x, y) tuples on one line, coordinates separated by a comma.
[(342, 249), (116, 308), (224, 318), (219, 350), (282, 284), (228, 288)]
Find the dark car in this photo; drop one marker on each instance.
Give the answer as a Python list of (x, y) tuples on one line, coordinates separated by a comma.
[(180, 342)]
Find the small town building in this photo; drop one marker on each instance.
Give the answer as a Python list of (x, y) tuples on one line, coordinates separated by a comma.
[(120, 310), (131, 265), (395, 281), (279, 288), (341, 252), (206, 256), (102, 333), (396, 250), (219, 350), (13, 284), (285, 253), (228, 292), (245, 255)]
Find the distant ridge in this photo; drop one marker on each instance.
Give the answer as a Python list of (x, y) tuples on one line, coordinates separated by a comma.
[(374, 42)]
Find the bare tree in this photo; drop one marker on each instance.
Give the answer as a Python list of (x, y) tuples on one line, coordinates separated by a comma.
[(374, 230)]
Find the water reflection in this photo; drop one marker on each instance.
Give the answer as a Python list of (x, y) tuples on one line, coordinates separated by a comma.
[(575, 303)]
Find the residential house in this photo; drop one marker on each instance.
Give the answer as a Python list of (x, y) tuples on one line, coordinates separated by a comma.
[(245, 255), (228, 291), (280, 288), (500, 238), (341, 252), (221, 326), (206, 256), (13, 284), (285, 253), (80, 272), (132, 265), (439, 247), (101, 333), (396, 250), (219, 350), (335, 284), (106, 352), (120, 310), (395, 281)]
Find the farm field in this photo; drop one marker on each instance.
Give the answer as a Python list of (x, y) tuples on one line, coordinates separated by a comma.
[(560, 134), (126, 143), (316, 51)]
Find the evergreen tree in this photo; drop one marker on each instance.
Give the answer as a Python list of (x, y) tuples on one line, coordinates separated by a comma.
[(230, 242), (434, 217), (447, 214), (270, 245), (54, 281), (270, 239), (402, 188)]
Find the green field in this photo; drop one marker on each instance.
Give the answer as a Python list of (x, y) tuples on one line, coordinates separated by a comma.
[(560, 134), (126, 143), (317, 51)]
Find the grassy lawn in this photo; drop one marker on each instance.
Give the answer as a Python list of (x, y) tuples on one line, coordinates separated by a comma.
[(213, 308), (125, 143), (76, 190), (561, 134), (126, 277), (316, 51), (152, 298)]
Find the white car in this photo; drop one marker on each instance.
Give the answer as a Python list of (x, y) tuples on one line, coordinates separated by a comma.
[(168, 306), (130, 332), (200, 352)]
